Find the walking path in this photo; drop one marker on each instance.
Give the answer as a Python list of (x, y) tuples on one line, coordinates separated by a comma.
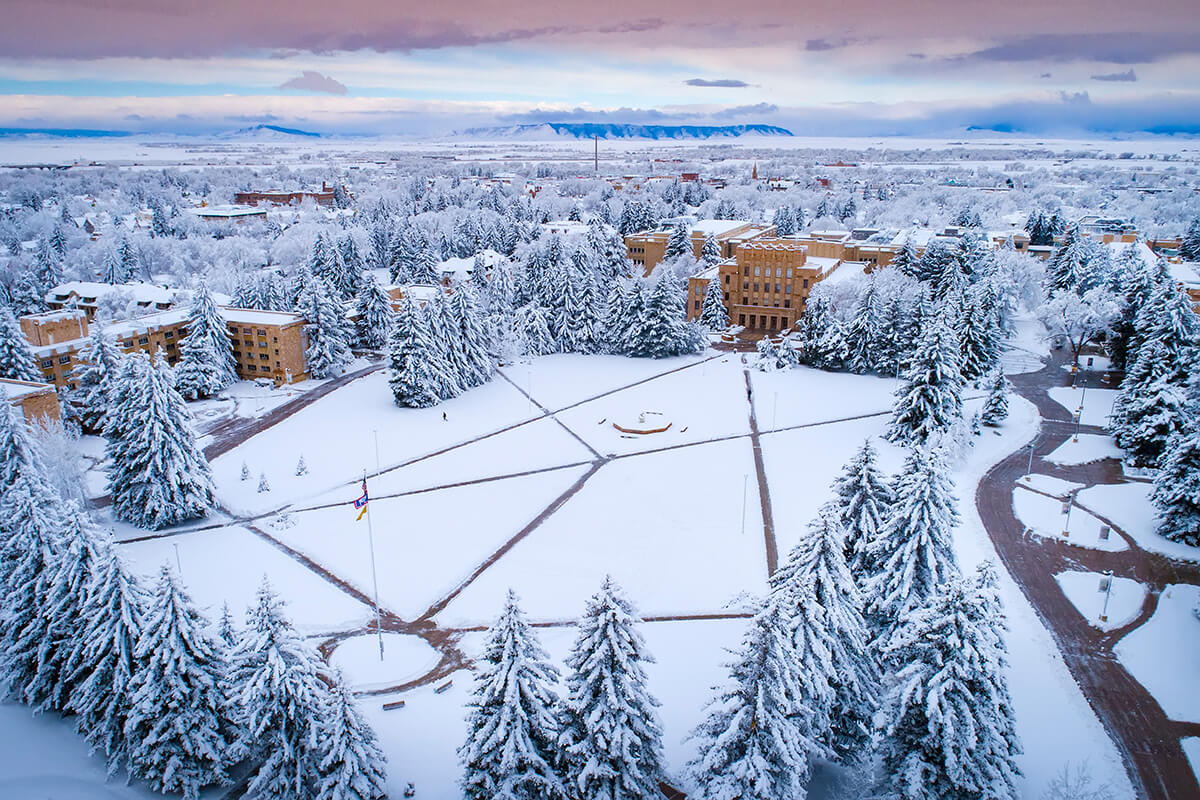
[(1147, 739)]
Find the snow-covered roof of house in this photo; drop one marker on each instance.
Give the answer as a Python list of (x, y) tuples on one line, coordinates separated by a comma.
[(142, 292), (1187, 273), (919, 237), (1143, 250), (708, 273), (254, 316), (228, 211), (18, 390), (59, 315), (844, 271), (461, 268), (718, 227), (823, 264), (565, 227)]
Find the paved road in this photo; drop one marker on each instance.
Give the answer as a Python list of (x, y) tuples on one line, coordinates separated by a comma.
[(1147, 739)]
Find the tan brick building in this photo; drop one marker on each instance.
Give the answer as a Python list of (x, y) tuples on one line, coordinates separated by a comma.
[(38, 401), (266, 344), (647, 249)]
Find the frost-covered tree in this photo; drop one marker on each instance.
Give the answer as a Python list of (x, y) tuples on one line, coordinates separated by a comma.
[(179, 721), (662, 329), (995, 408), (977, 326), (753, 743), (158, 476), (1152, 406), (510, 751), (713, 314), (1080, 319), (534, 330), (418, 375), (17, 361), (929, 401), (865, 501), (206, 365), (948, 729), (1176, 492), (474, 337), (831, 645), (352, 764), (710, 252), (374, 314), (329, 331), (1189, 247), (98, 363), (913, 553), (281, 701), (906, 259), (110, 627), (19, 454), (610, 739), (678, 243)]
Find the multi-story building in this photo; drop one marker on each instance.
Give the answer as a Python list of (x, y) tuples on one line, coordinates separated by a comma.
[(280, 197), (767, 284), (647, 249), (266, 344), (88, 295), (38, 401)]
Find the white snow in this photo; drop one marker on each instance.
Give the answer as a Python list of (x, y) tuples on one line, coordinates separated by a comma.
[(1049, 484), (1084, 592), (1097, 403), (1044, 516), (561, 380), (405, 658), (1089, 447), (1128, 506), (1164, 654)]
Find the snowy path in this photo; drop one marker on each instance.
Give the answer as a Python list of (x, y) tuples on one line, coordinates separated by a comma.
[(1148, 740)]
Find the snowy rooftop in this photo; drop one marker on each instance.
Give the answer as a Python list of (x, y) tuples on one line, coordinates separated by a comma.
[(228, 211), (824, 264), (91, 291), (718, 227), (844, 271), (918, 236), (16, 390), (60, 315), (254, 316), (1187, 273), (1147, 255), (461, 268), (708, 273)]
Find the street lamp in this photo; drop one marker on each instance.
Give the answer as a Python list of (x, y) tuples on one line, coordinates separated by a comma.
[(1108, 582)]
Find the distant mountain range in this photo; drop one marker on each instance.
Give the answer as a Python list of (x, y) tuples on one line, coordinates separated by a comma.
[(606, 130), (269, 132)]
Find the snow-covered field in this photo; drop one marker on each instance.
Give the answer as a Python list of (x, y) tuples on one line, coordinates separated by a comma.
[(1097, 403), (1044, 516), (1083, 449), (1128, 505), (1084, 590), (1164, 654)]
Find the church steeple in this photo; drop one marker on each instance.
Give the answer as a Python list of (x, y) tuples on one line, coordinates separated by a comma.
[(754, 172)]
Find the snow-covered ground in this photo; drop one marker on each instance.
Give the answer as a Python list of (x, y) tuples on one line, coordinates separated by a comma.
[(1164, 654), (1085, 591), (404, 658), (1049, 484), (1097, 403), (1083, 449), (1044, 517), (1128, 506)]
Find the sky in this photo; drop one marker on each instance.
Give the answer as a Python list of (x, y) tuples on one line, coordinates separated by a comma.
[(397, 67)]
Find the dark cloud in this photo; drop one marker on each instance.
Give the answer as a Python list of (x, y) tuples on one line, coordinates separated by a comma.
[(723, 83), (1045, 75), (625, 115), (1112, 48), (1075, 98), (756, 110), (637, 26), (1128, 76), (310, 81)]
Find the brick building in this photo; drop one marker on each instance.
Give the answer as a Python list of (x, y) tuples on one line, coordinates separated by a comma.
[(266, 344), (647, 249), (279, 197), (38, 401)]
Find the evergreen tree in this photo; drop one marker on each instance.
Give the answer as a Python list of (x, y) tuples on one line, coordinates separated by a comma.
[(17, 361), (178, 722), (678, 243), (713, 314), (995, 408), (784, 221), (913, 553), (26, 294), (158, 476), (834, 647), (979, 336), (610, 739), (662, 330), (374, 310), (534, 330), (110, 627), (753, 744), (110, 269), (710, 253), (510, 749), (865, 502), (97, 365), (329, 332), (1152, 406), (863, 335), (1189, 247), (906, 259), (281, 700), (474, 337), (929, 401), (1176, 492), (206, 365), (47, 265), (418, 375), (948, 724), (352, 765)]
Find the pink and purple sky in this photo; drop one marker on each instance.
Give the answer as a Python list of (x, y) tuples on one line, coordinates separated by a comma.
[(906, 67)]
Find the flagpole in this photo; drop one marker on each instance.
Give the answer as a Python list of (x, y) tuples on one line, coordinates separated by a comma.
[(374, 578)]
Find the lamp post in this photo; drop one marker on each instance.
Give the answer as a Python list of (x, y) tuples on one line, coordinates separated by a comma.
[(1107, 594), (1029, 471), (1067, 511)]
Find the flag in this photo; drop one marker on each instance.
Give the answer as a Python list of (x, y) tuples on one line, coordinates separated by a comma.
[(362, 502)]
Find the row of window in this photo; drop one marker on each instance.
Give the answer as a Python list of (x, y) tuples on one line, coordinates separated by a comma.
[(746, 284)]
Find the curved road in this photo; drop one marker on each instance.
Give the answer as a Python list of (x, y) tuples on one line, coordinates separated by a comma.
[(1149, 742)]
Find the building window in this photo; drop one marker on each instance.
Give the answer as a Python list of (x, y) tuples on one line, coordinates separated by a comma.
[(777, 287), (696, 304), (745, 286), (169, 335), (47, 363), (788, 288), (741, 319), (787, 302), (774, 322), (262, 332), (248, 342), (237, 353), (274, 338), (745, 270), (806, 283), (756, 272), (143, 340), (263, 357), (778, 272), (789, 273), (727, 297), (263, 343), (245, 330), (726, 280)]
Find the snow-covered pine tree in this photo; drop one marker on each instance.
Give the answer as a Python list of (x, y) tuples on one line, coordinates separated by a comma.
[(57, 645), (353, 266), (913, 553), (418, 375), (446, 338), (995, 408), (710, 253), (301, 467), (263, 484), (979, 336), (352, 764), (329, 332), (610, 739), (110, 627), (374, 310), (98, 362), (626, 301), (865, 501), (47, 265), (129, 260), (510, 749), (19, 454), (1189, 247), (678, 243), (179, 721), (26, 294), (206, 365), (713, 314), (17, 361), (1176, 492), (863, 334), (1152, 408), (158, 476), (929, 401), (906, 259), (110, 269), (473, 336), (753, 743), (534, 330), (948, 729), (281, 701), (662, 330)]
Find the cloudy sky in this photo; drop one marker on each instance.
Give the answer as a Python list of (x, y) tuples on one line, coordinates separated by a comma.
[(818, 67)]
